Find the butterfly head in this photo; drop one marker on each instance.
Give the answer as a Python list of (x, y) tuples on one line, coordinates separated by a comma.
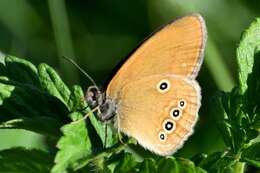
[(106, 106)]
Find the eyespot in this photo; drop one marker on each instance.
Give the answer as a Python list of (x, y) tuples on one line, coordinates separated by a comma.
[(175, 113), (162, 136), (163, 86), (182, 104), (169, 126)]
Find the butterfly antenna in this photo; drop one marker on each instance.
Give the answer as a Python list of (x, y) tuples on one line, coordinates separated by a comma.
[(80, 69)]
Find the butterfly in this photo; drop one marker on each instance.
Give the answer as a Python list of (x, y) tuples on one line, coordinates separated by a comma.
[(154, 96)]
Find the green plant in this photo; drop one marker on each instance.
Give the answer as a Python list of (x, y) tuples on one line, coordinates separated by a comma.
[(86, 146)]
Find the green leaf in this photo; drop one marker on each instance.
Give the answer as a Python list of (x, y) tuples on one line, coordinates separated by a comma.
[(200, 170), (219, 113), (169, 165), (256, 123), (233, 121), (74, 146), (252, 94), (20, 160), (198, 158), (248, 46), (77, 100), (53, 84), (127, 165), (188, 166), (251, 155), (19, 88), (219, 162), (20, 109), (108, 136), (19, 99), (148, 166), (43, 125), (20, 70)]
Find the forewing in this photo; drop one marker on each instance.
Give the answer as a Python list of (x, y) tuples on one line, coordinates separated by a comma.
[(175, 49)]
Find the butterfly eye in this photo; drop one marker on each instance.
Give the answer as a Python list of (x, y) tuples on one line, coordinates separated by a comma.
[(175, 113), (182, 104), (169, 126), (162, 136), (163, 86)]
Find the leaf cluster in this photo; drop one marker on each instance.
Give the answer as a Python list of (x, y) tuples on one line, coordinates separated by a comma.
[(36, 99), (237, 113)]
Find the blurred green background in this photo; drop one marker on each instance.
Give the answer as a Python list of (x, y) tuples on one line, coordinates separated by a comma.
[(98, 34)]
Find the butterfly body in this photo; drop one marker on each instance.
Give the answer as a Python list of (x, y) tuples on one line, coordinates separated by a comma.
[(154, 96)]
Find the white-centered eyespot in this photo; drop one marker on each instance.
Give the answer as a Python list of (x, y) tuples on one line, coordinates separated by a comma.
[(182, 104), (162, 136), (175, 113), (169, 125), (163, 86)]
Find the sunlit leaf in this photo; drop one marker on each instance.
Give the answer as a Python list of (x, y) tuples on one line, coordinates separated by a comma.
[(248, 46), (251, 155), (74, 146), (53, 84)]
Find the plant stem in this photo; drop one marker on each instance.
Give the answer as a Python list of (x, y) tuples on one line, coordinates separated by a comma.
[(61, 28), (217, 66)]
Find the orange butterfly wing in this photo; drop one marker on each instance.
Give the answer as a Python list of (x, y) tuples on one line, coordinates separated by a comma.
[(175, 49), (142, 111), (173, 54)]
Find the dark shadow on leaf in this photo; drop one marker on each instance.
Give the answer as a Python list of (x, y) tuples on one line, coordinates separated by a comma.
[(252, 94), (23, 101), (20, 70)]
